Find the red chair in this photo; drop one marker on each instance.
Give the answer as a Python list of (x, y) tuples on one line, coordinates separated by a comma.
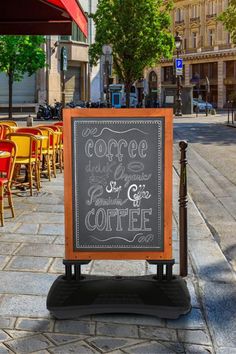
[(34, 131), (4, 130), (60, 124), (7, 165), (51, 126)]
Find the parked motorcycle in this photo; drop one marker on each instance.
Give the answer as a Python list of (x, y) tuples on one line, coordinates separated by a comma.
[(47, 112), (57, 110), (44, 111)]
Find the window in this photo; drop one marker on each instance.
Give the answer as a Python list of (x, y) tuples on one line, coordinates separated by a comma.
[(204, 69), (194, 39), (153, 76), (168, 73), (212, 70), (195, 11), (77, 35), (185, 43), (179, 15), (211, 8), (196, 71), (225, 4), (230, 68), (211, 34)]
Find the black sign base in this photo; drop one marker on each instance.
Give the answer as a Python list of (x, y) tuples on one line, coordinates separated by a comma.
[(145, 295)]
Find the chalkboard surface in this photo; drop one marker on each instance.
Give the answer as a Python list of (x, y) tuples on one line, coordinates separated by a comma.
[(118, 184)]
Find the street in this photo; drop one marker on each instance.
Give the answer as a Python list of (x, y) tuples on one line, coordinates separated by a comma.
[(212, 175)]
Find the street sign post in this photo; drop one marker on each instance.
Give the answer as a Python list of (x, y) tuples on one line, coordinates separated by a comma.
[(64, 65)]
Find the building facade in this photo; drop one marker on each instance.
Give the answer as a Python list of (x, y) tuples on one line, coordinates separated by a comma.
[(207, 53), (81, 82), (49, 84)]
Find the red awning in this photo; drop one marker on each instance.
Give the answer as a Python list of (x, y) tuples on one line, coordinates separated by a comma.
[(46, 17), (75, 11)]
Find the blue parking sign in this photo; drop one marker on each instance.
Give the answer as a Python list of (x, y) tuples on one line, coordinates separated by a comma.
[(179, 63)]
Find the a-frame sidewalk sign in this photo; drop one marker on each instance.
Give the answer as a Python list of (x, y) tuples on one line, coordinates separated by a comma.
[(118, 206)]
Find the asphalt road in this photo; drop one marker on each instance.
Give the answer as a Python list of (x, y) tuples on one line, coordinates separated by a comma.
[(212, 174)]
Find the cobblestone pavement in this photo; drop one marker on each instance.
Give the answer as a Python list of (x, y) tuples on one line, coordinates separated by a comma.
[(31, 253)]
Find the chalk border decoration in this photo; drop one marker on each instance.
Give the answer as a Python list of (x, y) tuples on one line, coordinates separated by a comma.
[(151, 238)]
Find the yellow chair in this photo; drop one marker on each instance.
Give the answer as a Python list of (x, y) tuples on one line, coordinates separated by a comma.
[(61, 157), (58, 143), (38, 134), (7, 163), (28, 154), (48, 150), (61, 151), (11, 123)]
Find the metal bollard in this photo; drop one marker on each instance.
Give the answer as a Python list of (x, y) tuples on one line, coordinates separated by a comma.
[(29, 121), (183, 201)]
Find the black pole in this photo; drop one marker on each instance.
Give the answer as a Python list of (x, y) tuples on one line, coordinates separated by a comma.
[(178, 98), (183, 240), (63, 98), (206, 104), (107, 81), (228, 110)]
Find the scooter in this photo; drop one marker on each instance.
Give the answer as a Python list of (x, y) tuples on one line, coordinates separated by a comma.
[(57, 110), (44, 112)]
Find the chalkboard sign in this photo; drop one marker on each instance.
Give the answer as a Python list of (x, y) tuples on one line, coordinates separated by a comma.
[(118, 181)]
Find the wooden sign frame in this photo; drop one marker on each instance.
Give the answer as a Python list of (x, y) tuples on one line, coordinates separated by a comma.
[(166, 115)]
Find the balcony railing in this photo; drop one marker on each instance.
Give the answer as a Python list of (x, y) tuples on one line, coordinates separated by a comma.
[(179, 22), (191, 50), (208, 48), (225, 46), (195, 19), (209, 16)]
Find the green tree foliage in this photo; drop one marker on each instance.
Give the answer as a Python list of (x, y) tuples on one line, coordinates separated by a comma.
[(228, 17), (20, 55), (139, 33)]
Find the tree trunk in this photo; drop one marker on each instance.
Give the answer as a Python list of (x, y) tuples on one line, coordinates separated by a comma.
[(10, 86), (127, 90)]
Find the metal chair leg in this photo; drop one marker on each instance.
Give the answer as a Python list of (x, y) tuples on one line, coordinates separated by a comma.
[(1, 204)]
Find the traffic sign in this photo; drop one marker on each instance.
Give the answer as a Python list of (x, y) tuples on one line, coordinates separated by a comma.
[(179, 72), (179, 63)]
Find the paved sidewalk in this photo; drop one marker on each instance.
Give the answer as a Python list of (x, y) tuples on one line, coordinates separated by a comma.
[(31, 252)]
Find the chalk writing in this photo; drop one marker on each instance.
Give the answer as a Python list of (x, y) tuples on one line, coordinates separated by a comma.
[(114, 148), (137, 193), (113, 188)]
